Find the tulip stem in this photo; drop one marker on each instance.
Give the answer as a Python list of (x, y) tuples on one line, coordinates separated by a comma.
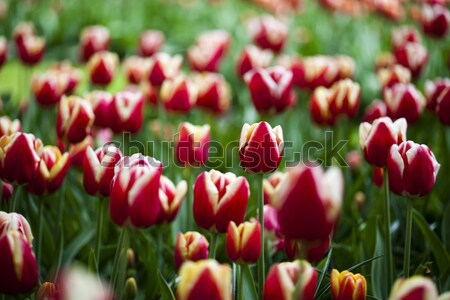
[(261, 221), (16, 198), (212, 246), (408, 238), (98, 242), (388, 239), (40, 225), (240, 289), (116, 264), (189, 199)]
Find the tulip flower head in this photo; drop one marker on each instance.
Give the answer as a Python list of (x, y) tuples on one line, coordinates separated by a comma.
[(74, 76), (162, 66), (208, 51), (435, 20), (268, 32), (375, 110), (179, 94), (190, 246), (135, 69), (16, 222), (404, 101), (416, 287), (219, 199), (270, 186), (214, 93), (77, 151), (127, 112), (150, 42), (402, 35), (31, 49), (102, 67), (315, 250), (251, 58), (413, 56), (412, 169), (377, 138), (443, 107), (93, 39), (243, 242), (261, 148), (8, 126), (433, 90), (192, 146), (49, 87), (171, 198), (393, 74), (101, 103), (348, 286)]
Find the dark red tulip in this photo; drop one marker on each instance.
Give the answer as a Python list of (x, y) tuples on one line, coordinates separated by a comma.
[(214, 93), (433, 90), (127, 112), (192, 146), (435, 20), (49, 87), (243, 242), (413, 56), (404, 101), (375, 110), (179, 94), (268, 32), (31, 50), (208, 51), (251, 58), (102, 103), (135, 69), (402, 35), (190, 246), (443, 107), (102, 67), (162, 66), (93, 39)]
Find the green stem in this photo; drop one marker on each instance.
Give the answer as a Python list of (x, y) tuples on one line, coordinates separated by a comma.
[(40, 225), (212, 245), (387, 229), (159, 252), (298, 286), (240, 288), (261, 269), (234, 283), (16, 198), (189, 199), (98, 242), (116, 263), (408, 238)]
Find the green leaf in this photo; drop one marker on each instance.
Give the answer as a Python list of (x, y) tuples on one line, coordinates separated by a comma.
[(446, 227), (77, 244), (324, 270), (166, 292), (249, 288), (378, 273), (441, 256)]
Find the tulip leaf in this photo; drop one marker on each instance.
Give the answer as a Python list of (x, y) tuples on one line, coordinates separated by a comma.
[(249, 288), (166, 292), (77, 244), (324, 270), (378, 273), (446, 227), (440, 254)]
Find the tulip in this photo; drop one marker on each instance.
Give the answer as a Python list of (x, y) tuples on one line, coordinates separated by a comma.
[(268, 33), (319, 107), (308, 202), (19, 157), (50, 173), (204, 279), (214, 93), (270, 186), (134, 197), (346, 66), (272, 227), (171, 198), (93, 39), (243, 242), (77, 151), (31, 50), (150, 93), (435, 20), (377, 177), (8, 127), (433, 90), (102, 68), (162, 66), (345, 98), (412, 169), (49, 87), (135, 69), (101, 103), (98, 169), (416, 287), (23, 30), (261, 147), (219, 199), (3, 50), (283, 278), (192, 146), (348, 286), (190, 246), (16, 222), (377, 138), (18, 264), (47, 291), (73, 75), (375, 110), (178, 94), (150, 42), (270, 89), (404, 101), (384, 60), (403, 35), (251, 58), (443, 107), (209, 50), (413, 56), (315, 250), (392, 75), (74, 120), (127, 112)]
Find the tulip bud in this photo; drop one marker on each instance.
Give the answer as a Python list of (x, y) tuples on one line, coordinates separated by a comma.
[(8, 127), (50, 173), (313, 251), (31, 50), (131, 289), (377, 138), (348, 286), (345, 95), (268, 32), (16, 222), (101, 103), (127, 112), (77, 151), (74, 120), (413, 56), (93, 39), (435, 20), (190, 246), (49, 87), (47, 291), (205, 279), (375, 110), (219, 199), (214, 93), (404, 101), (135, 69), (282, 280), (18, 264), (403, 35), (192, 146), (261, 147), (319, 107), (433, 89), (19, 157), (162, 66), (209, 50), (178, 94), (270, 185), (244, 242), (3, 50), (412, 169), (102, 68), (98, 169), (443, 107), (131, 258), (270, 89), (171, 198), (150, 42), (416, 287), (134, 197), (308, 202), (392, 75), (251, 58)]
